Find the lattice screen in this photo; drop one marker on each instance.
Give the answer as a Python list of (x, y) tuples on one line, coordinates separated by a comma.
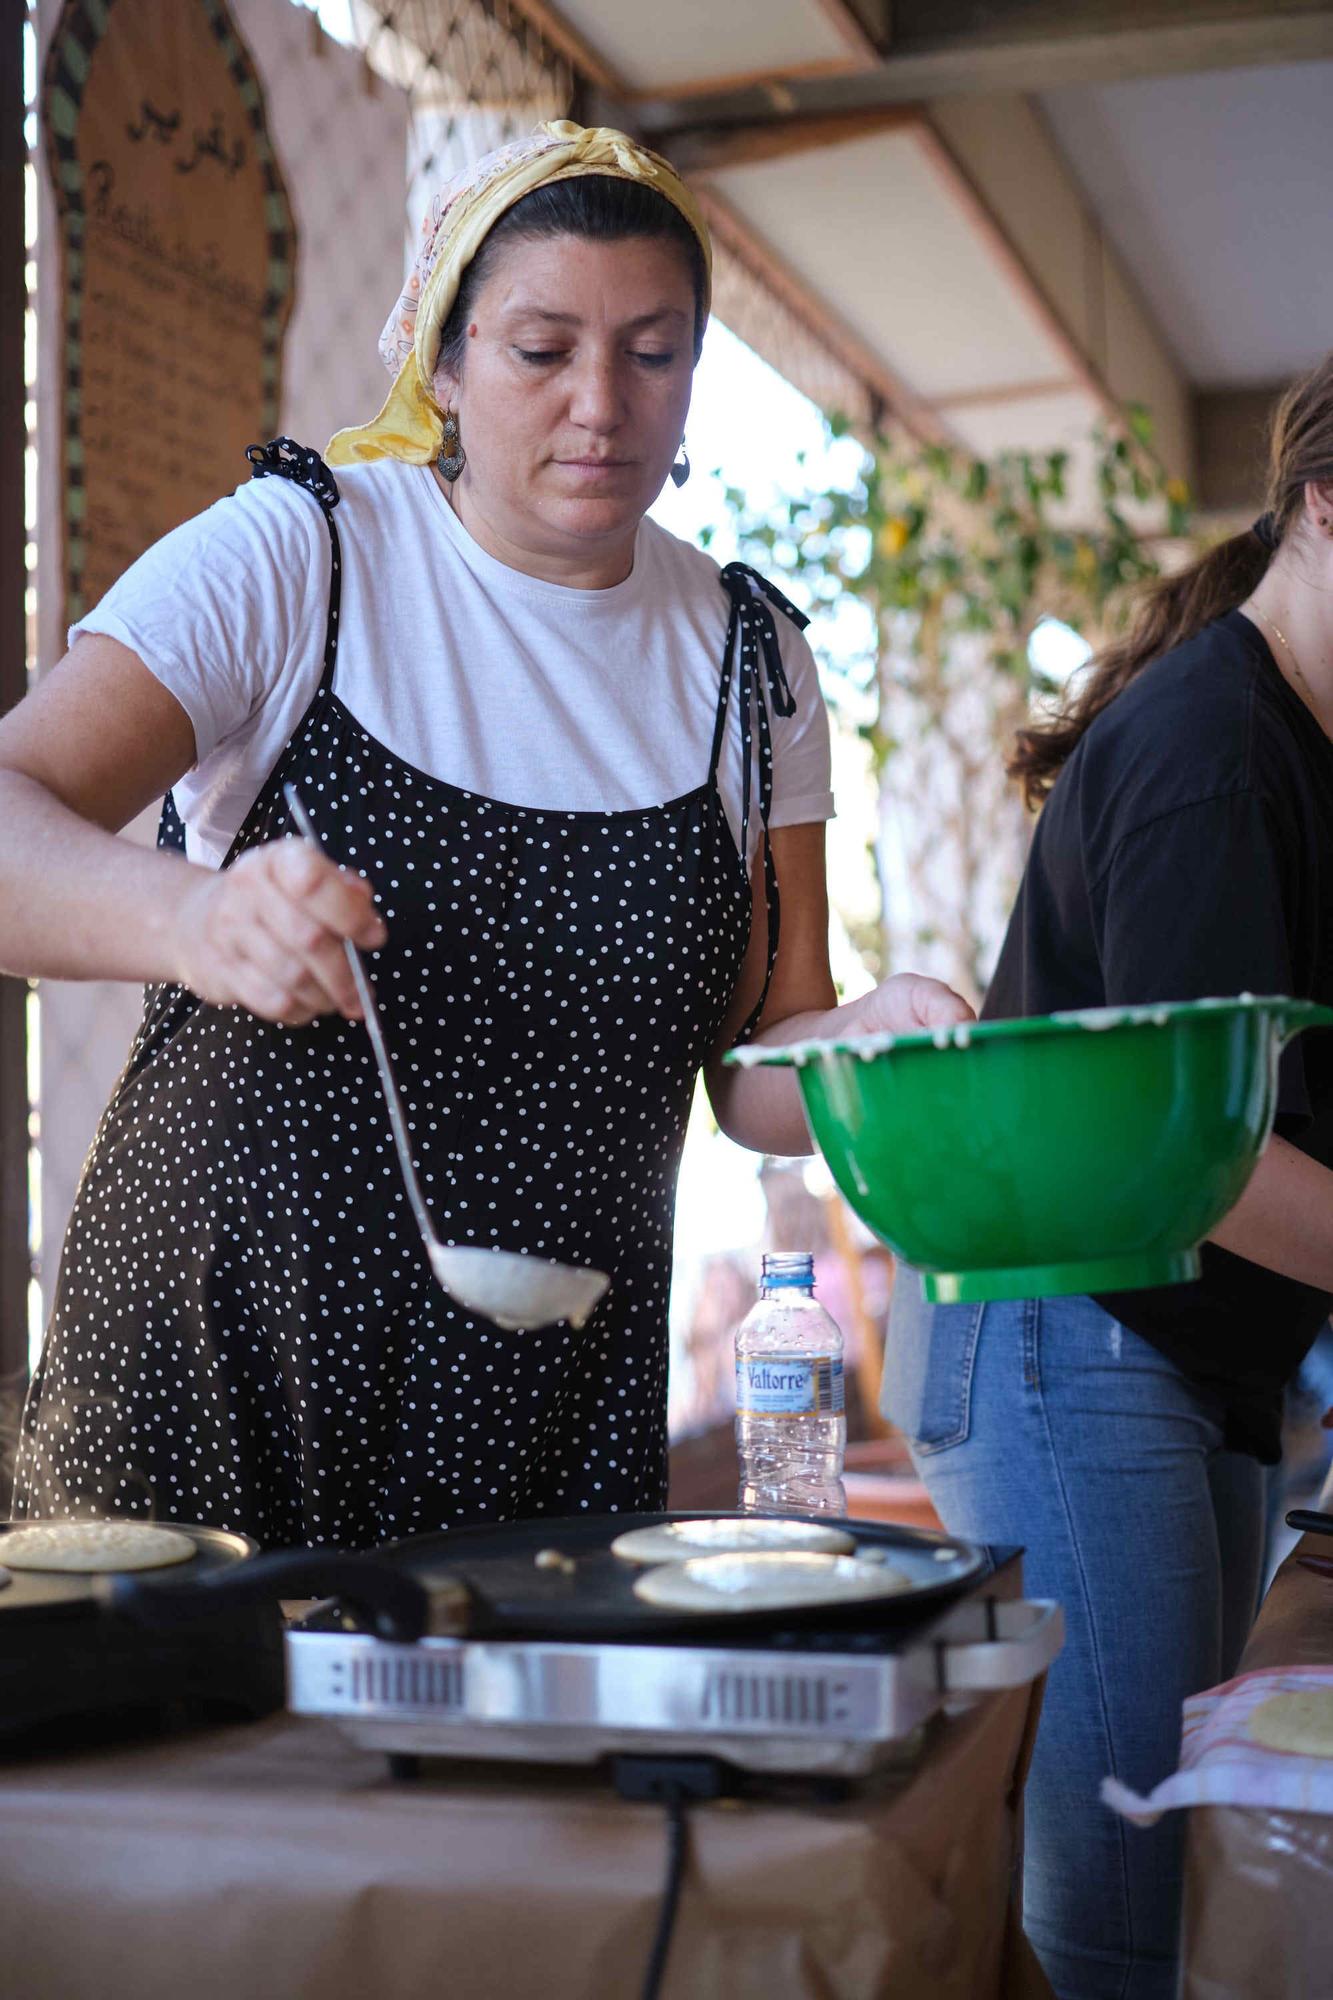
[(475, 73), (745, 304)]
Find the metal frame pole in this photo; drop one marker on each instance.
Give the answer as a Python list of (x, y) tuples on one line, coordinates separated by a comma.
[(14, 1269)]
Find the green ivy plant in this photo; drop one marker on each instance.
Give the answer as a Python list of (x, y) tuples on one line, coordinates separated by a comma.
[(950, 563)]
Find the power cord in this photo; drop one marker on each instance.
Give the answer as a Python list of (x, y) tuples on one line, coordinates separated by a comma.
[(673, 1782), (677, 1829)]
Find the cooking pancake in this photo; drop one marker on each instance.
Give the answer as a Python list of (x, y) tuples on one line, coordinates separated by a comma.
[(94, 1547), (786, 1580), (676, 1541)]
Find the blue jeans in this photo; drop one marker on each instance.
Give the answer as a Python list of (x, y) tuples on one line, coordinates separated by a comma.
[(1044, 1422)]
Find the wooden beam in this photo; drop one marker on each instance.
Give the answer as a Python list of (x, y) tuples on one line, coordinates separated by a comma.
[(1003, 392), (747, 244), (775, 85), (942, 48), (555, 30), (14, 1272), (967, 197), (577, 50), (704, 149), (856, 36)]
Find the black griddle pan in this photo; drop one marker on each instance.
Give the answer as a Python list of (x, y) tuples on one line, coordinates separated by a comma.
[(49, 1593), (484, 1582)]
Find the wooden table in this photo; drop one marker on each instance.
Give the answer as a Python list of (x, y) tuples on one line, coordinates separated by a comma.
[(275, 1861)]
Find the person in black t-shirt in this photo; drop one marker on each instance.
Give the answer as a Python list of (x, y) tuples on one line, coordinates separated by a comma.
[(1185, 850)]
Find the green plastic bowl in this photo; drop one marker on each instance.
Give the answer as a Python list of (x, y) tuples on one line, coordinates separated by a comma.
[(1087, 1152)]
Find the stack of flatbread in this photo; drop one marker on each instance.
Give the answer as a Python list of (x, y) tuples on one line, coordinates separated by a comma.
[(760, 1563)]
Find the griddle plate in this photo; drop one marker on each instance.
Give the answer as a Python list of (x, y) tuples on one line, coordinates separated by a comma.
[(518, 1600)]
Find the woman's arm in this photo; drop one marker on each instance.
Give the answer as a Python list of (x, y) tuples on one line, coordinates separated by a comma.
[(1284, 1219), (1198, 901), (761, 1108), (95, 743)]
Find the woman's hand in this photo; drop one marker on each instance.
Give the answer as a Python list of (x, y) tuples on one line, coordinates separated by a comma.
[(761, 1108), (267, 934), (902, 1005)]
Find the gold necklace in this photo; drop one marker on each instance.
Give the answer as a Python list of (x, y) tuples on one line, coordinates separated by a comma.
[(1282, 638)]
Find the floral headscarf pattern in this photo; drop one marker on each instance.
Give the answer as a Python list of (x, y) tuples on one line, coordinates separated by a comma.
[(456, 224)]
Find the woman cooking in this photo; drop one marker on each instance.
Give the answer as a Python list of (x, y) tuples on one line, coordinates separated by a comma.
[(567, 774), (1183, 851)]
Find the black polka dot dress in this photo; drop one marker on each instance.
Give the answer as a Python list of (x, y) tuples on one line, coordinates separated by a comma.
[(246, 1329)]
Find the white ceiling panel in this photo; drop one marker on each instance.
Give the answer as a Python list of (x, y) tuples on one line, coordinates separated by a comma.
[(1217, 192), (656, 47), (1024, 423), (873, 231)]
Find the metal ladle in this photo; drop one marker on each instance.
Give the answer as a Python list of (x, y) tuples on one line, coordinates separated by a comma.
[(500, 1285)]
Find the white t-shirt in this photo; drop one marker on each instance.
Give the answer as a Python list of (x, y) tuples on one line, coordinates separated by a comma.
[(522, 691)]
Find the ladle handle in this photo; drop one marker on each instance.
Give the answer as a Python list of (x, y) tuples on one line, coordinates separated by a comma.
[(365, 993), (384, 1596), (1307, 1522)]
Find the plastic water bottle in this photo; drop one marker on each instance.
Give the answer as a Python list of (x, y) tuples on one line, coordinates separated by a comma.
[(791, 1430)]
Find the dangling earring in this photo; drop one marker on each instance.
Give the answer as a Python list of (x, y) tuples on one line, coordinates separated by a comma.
[(452, 456), (680, 471)]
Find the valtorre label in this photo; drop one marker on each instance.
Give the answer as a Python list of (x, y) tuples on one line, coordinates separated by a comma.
[(780, 1385)]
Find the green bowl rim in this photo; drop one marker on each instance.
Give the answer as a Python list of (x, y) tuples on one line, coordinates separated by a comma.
[(1295, 1014)]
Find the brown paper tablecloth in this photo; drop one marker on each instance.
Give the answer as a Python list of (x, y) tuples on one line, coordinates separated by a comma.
[(274, 1861), (1259, 1885)]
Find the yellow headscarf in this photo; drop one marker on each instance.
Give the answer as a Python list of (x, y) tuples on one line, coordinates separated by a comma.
[(462, 214)]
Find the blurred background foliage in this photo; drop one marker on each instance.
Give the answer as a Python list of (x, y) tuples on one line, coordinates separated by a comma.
[(938, 569)]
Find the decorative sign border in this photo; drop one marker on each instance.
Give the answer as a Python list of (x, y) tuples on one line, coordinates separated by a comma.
[(81, 26)]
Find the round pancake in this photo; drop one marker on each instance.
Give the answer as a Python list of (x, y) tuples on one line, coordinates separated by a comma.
[(1301, 1721), (92, 1548), (775, 1581), (676, 1541)]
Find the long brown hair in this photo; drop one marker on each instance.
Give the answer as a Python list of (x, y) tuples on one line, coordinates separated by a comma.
[(1174, 608)]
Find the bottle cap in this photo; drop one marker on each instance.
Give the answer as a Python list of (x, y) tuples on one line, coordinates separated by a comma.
[(791, 1270)]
